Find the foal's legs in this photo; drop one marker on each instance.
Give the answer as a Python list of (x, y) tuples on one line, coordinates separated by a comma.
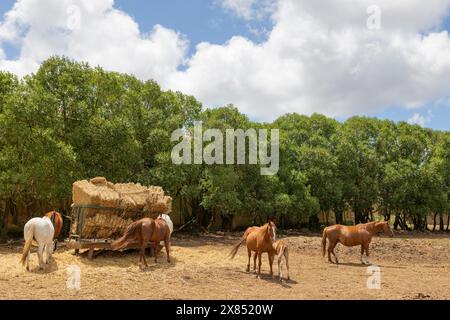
[(249, 257), (254, 261), (280, 264), (286, 256)]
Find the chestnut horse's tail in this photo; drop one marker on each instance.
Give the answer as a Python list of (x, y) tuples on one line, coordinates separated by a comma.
[(129, 235), (237, 245), (324, 241)]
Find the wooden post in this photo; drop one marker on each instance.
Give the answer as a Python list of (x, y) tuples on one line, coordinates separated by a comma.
[(91, 253)]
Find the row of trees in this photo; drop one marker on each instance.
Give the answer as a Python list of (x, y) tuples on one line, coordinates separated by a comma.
[(70, 121)]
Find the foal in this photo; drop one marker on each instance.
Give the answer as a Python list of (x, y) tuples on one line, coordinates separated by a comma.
[(282, 250), (351, 236)]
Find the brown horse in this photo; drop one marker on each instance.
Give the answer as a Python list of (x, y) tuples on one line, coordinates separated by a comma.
[(258, 240), (144, 231), (57, 221), (351, 236), (282, 250)]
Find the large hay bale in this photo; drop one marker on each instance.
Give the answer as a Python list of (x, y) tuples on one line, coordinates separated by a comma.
[(134, 202)]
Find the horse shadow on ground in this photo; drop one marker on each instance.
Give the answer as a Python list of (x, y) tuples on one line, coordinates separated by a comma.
[(360, 265), (48, 268), (103, 258), (268, 278)]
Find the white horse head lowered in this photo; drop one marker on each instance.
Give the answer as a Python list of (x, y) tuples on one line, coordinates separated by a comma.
[(42, 230)]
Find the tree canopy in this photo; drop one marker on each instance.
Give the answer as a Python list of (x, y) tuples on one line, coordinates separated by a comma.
[(70, 121)]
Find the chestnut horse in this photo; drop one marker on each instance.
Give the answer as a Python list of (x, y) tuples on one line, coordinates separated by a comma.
[(282, 250), (144, 231), (351, 236), (57, 220), (258, 240)]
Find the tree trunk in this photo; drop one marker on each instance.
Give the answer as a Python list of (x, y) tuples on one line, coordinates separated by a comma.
[(339, 217), (212, 221), (434, 222), (441, 222)]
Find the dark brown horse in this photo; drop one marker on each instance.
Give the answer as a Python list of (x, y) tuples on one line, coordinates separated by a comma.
[(144, 231), (57, 221), (258, 240), (351, 236)]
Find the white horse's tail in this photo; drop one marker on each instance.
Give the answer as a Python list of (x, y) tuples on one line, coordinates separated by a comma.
[(29, 234)]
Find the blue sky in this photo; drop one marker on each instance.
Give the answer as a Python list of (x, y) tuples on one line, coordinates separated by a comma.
[(206, 21)]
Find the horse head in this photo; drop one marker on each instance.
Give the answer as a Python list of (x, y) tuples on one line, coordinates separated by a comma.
[(386, 228), (272, 229)]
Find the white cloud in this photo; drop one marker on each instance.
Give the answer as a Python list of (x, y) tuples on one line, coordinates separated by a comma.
[(104, 36), (249, 9), (319, 56), (421, 120)]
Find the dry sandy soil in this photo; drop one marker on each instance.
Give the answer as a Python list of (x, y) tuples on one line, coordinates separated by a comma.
[(412, 267)]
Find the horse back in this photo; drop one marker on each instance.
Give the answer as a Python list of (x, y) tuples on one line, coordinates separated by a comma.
[(161, 230)]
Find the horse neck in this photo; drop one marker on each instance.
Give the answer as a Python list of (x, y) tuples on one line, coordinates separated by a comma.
[(372, 228), (265, 231)]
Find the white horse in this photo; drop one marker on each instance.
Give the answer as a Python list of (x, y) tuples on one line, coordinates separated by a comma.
[(41, 230), (169, 222)]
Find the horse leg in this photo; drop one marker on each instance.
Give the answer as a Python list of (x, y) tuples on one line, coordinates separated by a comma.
[(259, 264), (249, 258), (280, 265), (362, 255), (271, 258), (335, 255), (286, 256), (155, 248), (254, 261), (167, 245), (41, 256), (142, 255), (49, 251), (330, 250), (367, 253)]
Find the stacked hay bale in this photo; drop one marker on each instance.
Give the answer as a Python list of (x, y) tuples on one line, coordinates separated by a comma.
[(129, 202)]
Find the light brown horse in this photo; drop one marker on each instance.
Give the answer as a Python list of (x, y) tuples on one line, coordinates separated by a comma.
[(351, 236), (258, 240), (144, 231), (57, 221), (282, 250)]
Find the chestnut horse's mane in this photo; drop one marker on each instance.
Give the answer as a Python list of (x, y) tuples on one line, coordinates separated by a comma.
[(372, 225)]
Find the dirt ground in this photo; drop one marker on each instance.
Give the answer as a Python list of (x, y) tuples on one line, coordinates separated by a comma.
[(413, 266)]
